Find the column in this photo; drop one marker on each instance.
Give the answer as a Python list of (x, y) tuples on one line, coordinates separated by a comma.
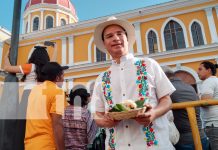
[(1, 50), (29, 23), (57, 19), (71, 50), (41, 20), (138, 38), (64, 50), (211, 24)]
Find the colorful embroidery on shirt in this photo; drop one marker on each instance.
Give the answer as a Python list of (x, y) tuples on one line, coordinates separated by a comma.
[(141, 80), (149, 135), (143, 94), (106, 84)]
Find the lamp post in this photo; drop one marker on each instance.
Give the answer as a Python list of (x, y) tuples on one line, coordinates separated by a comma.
[(9, 99)]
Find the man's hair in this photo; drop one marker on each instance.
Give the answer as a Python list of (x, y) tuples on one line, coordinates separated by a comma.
[(168, 71), (211, 66)]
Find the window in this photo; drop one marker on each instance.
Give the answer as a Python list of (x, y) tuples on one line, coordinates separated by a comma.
[(197, 34), (152, 42), (100, 56), (36, 24), (173, 35), (49, 22), (63, 22)]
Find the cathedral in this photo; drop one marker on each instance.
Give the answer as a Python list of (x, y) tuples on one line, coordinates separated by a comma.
[(179, 34)]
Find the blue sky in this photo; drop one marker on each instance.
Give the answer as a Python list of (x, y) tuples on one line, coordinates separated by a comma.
[(86, 9)]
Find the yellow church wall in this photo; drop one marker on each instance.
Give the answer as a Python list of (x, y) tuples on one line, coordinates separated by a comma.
[(191, 56), (84, 80), (23, 53), (140, 17), (81, 47), (50, 49), (78, 73), (37, 13)]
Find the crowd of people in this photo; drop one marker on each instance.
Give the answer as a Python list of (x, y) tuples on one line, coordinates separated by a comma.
[(48, 122)]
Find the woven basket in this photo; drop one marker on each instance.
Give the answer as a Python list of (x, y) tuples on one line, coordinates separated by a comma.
[(126, 114)]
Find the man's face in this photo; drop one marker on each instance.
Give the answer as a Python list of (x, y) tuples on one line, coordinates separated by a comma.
[(203, 73), (115, 41)]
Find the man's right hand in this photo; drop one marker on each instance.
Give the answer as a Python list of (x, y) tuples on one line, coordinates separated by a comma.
[(104, 120)]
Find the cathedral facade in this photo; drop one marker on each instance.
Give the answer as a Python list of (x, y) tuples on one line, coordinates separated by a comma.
[(179, 34)]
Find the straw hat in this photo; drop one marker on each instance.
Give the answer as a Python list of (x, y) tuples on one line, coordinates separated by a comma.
[(128, 27)]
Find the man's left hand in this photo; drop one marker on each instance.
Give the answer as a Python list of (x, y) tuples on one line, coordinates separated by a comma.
[(145, 118)]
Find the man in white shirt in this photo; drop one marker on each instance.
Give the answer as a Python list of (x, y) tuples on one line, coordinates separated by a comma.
[(209, 90), (135, 79)]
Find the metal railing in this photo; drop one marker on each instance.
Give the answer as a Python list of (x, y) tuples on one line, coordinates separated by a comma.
[(190, 108)]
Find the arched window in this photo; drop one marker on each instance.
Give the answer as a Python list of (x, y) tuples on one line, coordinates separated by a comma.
[(197, 34), (100, 56), (36, 24), (63, 22), (49, 22), (173, 35), (26, 29), (152, 42)]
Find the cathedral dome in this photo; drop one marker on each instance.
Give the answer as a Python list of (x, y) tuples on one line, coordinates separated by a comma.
[(45, 14), (64, 3)]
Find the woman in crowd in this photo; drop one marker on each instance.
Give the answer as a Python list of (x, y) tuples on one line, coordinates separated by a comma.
[(209, 90), (79, 128)]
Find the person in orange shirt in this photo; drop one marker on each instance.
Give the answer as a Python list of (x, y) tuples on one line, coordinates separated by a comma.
[(30, 71), (46, 103)]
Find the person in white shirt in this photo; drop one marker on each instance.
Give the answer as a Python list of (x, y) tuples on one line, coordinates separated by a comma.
[(130, 78), (209, 90)]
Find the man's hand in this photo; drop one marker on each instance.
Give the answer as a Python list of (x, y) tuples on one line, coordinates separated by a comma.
[(145, 118), (151, 114), (104, 120)]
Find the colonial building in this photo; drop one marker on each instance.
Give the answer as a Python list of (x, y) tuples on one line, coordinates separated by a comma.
[(179, 33)]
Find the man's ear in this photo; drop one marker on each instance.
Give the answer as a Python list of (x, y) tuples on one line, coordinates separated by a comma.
[(210, 71), (57, 79)]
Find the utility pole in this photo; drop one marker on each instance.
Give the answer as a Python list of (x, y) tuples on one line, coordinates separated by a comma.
[(10, 98)]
